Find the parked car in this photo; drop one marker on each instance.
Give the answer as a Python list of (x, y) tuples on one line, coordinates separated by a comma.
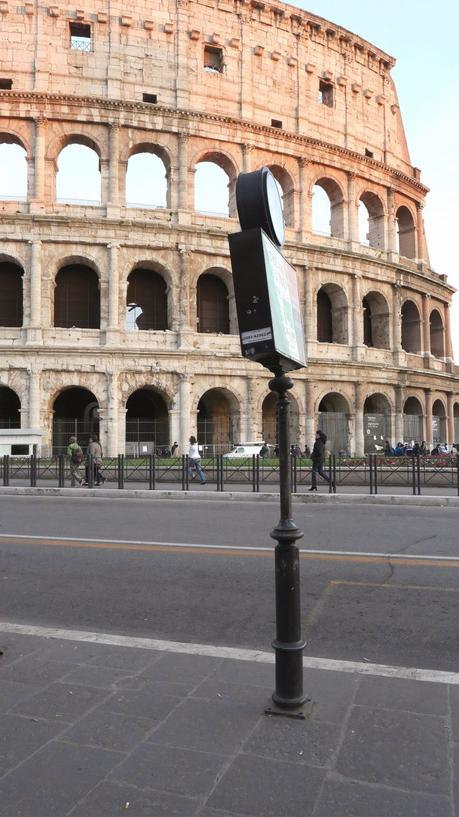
[(246, 450)]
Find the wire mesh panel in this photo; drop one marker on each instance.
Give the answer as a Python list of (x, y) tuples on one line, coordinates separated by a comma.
[(334, 425)]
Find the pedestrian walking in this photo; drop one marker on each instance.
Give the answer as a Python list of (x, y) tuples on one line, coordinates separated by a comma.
[(94, 450), (194, 461), (317, 457), (174, 449), (75, 457)]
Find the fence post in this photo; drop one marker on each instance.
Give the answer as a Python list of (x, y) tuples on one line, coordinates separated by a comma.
[(6, 469), (90, 466), (375, 482), (33, 470), (185, 474), (370, 458), (61, 470), (413, 474), (457, 473), (258, 474), (294, 475), (151, 472), (330, 475), (222, 476), (334, 473), (254, 479), (418, 473), (120, 471)]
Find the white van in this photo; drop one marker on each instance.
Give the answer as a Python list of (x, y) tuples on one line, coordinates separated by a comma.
[(245, 450)]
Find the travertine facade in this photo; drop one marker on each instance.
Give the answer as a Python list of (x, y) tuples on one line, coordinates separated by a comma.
[(289, 90)]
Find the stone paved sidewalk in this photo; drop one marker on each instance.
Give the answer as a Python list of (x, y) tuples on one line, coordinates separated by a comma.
[(90, 730)]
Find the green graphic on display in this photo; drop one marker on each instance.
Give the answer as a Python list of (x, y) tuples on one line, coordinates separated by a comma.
[(284, 303)]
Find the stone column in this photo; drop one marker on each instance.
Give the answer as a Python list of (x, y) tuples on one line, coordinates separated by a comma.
[(183, 306), (391, 241), (426, 325), (309, 322), (113, 288), (185, 409), (113, 413), (183, 197), (420, 249), (247, 150), (303, 199), (359, 430), (34, 399), (450, 418), (38, 199), (357, 318), (249, 424), (398, 426), (428, 418), (310, 419), (34, 334), (113, 168), (352, 220), (448, 340), (396, 324)]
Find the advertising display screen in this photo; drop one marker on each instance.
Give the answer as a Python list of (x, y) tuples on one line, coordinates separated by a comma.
[(284, 303)]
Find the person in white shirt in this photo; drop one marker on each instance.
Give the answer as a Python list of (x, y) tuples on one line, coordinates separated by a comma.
[(194, 461)]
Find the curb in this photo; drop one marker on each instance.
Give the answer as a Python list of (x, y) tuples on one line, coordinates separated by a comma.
[(234, 496)]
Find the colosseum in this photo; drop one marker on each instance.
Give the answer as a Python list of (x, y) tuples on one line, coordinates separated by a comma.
[(119, 317)]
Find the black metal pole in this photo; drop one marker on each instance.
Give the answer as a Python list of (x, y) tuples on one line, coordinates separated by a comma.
[(418, 473), (61, 470), (375, 461), (33, 471), (185, 474), (413, 471), (370, 457), (254, 479), (288, 696), (334, 473), (120, 471), (6, 469), (258, 473), (330, 475), (90, 466)]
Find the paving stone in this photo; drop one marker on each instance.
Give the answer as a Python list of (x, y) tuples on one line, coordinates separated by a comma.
[(55, 778), (141, 704), (34, 670), (73, 652), (214, 689), (180, 668), (331, 693), (170, 769), (396, 748), (454, 700), (212, 812), (103, 728), (101, 677), (18, 646), (19, 737), (153, 686), (308, 741), (351, 799), (112, 799), (246, 673), (12, 692), (398, 693), (264, 787), (456, 776), (134, 659), (62, 702), (212, 726)]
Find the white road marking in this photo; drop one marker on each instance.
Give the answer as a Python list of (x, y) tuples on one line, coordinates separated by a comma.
[(255, 548), (257, 656)]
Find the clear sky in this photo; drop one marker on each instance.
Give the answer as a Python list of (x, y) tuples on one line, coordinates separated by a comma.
[(422, 36)]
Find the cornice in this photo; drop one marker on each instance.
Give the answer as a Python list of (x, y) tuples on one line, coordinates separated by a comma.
[(182, 113)]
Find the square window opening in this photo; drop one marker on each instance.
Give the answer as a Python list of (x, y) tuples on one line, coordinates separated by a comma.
[(325, 93), (213, 59), (152, 98), (19, 450), (368, 153), (276, 123), (80, 37), (6, 84)]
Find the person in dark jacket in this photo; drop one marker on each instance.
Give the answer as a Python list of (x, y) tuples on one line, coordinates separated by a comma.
[(317, 457)]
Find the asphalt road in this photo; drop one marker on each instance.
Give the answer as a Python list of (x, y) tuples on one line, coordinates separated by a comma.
[(401, 611)]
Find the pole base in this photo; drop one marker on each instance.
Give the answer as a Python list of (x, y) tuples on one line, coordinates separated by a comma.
[(299, 713)]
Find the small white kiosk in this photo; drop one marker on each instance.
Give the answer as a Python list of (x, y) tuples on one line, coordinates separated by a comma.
[(20, 442)]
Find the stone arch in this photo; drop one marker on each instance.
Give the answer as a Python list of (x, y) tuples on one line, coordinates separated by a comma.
[(218, 420), (335, 211), (226, 163), (87, 184), (406, 225), (437, 334), (333, 413), (376, 421), (212, 300), (412, 420), (11, 293), (332, 314), (411, 327), (439, 433), (75, 412), (269, 419), (10, 408), (146, 300), (64, 140), (285, 180), (147, 421), (146, 153), (77, 296), (13, 166), (372, 208), (376, 324)]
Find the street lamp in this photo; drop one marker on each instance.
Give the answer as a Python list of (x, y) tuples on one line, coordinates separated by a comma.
[(271, 333)]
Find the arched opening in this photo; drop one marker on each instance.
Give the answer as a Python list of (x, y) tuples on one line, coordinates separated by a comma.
[(75, 413), (146, 180), (437, 335), (147, 422), (371, 220), (332, 314), (212, 305), (211, 189), (78, 179), (11, 294), (333, 419), (76, 297), (13, 169), (10, 408), (412, 421), (376, 422), (456, 425), (217, 421), (287, 193), (327, 209), (438, 423), (146, 301), (411, 328), (376, 330), (270, 424), (406, 233)]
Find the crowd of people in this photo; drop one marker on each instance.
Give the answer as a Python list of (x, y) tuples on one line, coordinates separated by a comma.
[(419, 449)]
